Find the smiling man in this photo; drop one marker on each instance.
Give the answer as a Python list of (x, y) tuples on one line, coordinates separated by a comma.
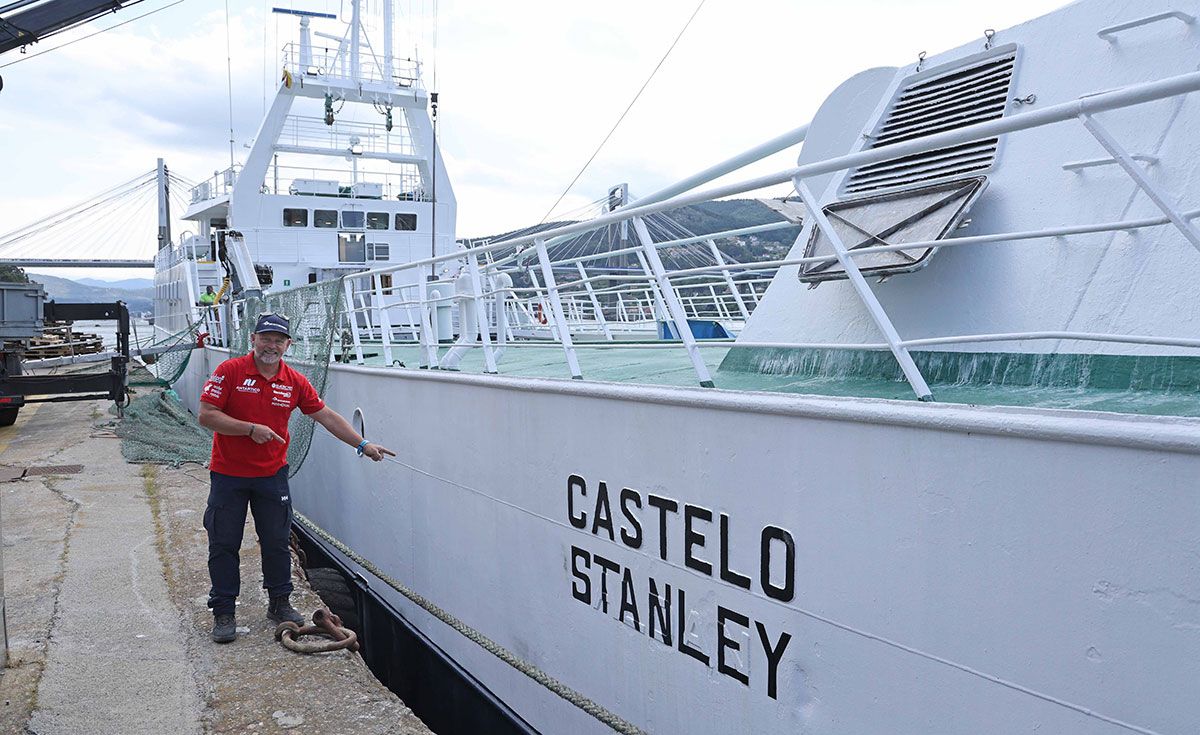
[(247, 403)]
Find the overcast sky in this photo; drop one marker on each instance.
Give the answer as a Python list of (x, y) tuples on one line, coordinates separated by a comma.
[(528, 89)]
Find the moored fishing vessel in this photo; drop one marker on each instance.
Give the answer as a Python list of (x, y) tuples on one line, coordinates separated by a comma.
[(806, 547)]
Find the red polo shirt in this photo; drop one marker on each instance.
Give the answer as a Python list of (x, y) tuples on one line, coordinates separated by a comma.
[(238, 389)]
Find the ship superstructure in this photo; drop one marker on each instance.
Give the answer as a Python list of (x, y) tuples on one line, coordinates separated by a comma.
[(343, 175)]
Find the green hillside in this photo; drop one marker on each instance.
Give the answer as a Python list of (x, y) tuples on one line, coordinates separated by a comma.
[(732, 214), (63, 289), (718, 216)]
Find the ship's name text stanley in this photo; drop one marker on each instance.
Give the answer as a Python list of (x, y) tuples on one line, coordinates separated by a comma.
[(629, 518)]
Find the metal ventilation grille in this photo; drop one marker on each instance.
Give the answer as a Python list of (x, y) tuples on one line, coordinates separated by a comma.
[(947, 101)]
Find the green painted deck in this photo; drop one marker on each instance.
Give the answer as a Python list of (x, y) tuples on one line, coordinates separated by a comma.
[(1167, 386)]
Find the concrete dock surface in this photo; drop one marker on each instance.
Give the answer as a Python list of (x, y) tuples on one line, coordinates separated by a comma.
[(105, 583)]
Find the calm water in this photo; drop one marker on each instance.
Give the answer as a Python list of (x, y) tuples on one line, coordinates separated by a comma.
[(108, 331)]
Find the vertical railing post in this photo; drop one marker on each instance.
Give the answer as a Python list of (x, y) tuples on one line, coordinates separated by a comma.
[(595, 302), (512, 317), (543, 305), (368, 322), (673, 305), (352, 316), (564, 334), (910, 369), (412, 319), (717, 256), (501, 282), (385, 321), (429, 338), (481, 313), (1135, 172), (718, 303), (227, 314), (660, 309)]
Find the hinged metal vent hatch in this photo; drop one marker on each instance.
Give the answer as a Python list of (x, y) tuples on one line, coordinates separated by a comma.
[(914, 215), (935, 103)]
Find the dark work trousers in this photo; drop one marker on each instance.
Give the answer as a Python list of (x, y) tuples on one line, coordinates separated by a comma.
[(225, 518)]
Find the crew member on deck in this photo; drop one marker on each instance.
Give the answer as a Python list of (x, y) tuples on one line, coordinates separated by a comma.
[(247, 403), (208, 298)]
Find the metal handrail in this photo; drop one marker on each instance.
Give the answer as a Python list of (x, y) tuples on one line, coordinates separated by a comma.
[(661, 292), (1134, 95)]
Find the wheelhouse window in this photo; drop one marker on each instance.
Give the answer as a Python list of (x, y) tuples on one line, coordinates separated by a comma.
[(378, 251), (352, 248), (352, 219), (325, 218), (377, 220), (406, 221), (295, 218)]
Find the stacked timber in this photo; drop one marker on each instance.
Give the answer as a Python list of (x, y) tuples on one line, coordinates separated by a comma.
[(58, 339)]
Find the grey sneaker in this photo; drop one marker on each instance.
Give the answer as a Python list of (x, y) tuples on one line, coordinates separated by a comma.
[(281, 610), (224, 629)]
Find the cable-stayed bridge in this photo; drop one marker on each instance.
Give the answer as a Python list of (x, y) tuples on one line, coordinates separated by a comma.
[(117, 228)]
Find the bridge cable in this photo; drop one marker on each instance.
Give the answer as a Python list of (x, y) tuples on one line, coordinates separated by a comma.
[(626, 112)]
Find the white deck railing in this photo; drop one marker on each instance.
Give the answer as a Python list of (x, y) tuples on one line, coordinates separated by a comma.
[(218, 185), (335, 62), (397, 305)]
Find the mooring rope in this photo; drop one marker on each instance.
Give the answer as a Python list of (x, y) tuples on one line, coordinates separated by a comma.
[(598, 711)]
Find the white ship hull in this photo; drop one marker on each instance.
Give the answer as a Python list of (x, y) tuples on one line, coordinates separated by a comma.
[(955, 569)]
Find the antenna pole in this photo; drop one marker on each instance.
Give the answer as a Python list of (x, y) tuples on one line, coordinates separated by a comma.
[(229, 81), (355, 32), (433, 174), (388, 70)]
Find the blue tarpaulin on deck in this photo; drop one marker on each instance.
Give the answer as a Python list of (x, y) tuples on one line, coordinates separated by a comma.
[(701, 329)]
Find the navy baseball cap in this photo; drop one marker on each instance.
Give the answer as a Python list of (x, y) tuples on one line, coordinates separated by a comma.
[(272, 323)]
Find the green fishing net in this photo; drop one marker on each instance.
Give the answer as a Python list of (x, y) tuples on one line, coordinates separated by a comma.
[(314, 312), (157, 429), (166, 359)]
